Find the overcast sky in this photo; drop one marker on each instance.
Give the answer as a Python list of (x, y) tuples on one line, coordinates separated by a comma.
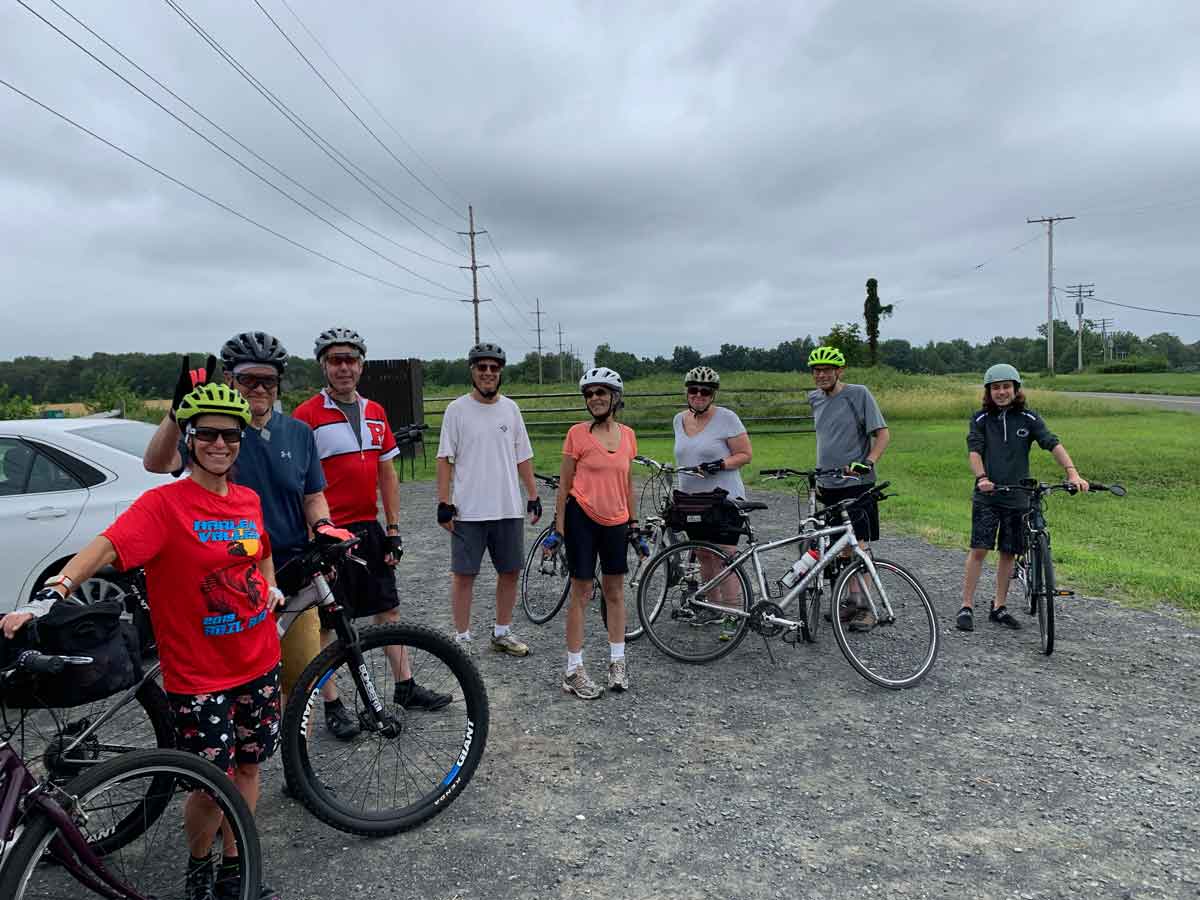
[(657, 173)]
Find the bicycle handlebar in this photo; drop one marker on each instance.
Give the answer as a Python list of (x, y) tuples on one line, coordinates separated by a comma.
[(317, 557), (551, 481), (804, 473), (408, 434), (37, 663), (1039, 488), (664, 468)]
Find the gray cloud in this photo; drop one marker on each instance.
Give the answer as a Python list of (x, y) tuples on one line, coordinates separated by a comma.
[(696, 173)]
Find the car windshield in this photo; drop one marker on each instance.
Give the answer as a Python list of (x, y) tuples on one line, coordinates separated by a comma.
[(128, 437)]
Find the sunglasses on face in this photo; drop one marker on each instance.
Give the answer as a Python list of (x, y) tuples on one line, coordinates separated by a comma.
[(488, 367), (342, 359), (250, 382), (595, 392), (209, 435), (702, 391)]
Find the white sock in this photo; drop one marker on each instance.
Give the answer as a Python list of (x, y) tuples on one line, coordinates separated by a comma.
[(616, 651), (462, 636), (502, 630), (574, 661)]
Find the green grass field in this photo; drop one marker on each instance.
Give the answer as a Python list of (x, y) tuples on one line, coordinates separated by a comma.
[(1178, 383), (1137, 548)]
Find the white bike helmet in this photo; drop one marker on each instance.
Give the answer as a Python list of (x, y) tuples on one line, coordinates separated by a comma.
[(602, 375)]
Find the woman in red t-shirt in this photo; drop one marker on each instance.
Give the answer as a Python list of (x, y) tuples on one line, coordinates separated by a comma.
[(594, 512), (211, 588)]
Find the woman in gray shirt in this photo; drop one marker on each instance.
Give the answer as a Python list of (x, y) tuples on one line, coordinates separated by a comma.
[(715, 439)]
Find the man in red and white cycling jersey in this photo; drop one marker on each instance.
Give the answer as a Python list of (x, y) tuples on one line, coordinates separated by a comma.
[(356, 448)]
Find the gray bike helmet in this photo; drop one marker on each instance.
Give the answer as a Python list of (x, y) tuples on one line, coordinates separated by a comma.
[(486, 350), (254, 347), (331, 336), (1001, 372), (702, 375)]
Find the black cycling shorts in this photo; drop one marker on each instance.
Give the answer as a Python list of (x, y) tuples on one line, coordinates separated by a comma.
[(999, 527), (864, 517), (364, 590), (588, 540), (232, 727)]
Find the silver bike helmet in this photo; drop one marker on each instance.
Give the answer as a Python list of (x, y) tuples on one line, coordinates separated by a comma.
[(331, 336), (254, 347)]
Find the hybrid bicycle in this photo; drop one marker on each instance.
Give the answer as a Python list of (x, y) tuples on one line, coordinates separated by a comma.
[(895, 647), (1034, 569)]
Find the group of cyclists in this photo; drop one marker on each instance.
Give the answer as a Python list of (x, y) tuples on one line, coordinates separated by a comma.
[(255, 485)]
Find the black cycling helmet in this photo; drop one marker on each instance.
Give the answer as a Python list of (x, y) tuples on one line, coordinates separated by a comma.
[(486, 350), (254, 347)]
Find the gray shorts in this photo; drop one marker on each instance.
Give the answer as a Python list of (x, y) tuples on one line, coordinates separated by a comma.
[(503, 538)]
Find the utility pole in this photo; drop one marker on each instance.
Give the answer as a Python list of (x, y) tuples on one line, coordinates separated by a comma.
[(560, 355), (1049, 220), (1079, 292), (474, 301), (1106, 347), (538, 312)]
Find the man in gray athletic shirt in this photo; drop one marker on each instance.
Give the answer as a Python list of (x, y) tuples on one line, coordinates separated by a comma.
[(851, 436)]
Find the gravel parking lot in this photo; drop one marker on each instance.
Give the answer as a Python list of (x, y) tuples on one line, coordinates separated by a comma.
[(1004, 774)]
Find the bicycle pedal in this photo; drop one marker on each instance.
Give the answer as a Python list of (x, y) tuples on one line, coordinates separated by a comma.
[(1061, 593)]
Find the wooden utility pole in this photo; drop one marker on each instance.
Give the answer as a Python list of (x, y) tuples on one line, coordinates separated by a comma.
[(538, 312), (561, 360), (474, 301), (1079, 292), (1049, 220)]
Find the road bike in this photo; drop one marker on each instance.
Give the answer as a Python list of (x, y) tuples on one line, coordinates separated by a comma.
[(1034, 569), (114, 830), (894, 644)]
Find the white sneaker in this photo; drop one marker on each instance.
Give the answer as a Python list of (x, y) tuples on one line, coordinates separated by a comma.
[(577, 682), (618, 675)]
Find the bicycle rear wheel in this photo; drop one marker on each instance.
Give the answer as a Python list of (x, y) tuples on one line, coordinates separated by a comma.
[(683, 624), (544, 581), (899, 649), (634, 566), (156, 863), (392, 778), (1045, 591)]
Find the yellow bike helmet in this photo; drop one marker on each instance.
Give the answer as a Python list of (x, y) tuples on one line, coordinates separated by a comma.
[(213, 399), (826, 356)]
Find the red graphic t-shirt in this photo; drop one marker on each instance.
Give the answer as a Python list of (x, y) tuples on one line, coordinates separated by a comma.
[(350, 461), (208, 601)]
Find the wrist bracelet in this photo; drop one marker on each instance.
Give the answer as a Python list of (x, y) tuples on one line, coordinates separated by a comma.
[(324, 520), (979, 478), (60, 579)]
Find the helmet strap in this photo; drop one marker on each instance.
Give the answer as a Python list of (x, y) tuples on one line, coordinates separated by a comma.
[(707, 406), (195, 460), (614, 400), (487, 395)]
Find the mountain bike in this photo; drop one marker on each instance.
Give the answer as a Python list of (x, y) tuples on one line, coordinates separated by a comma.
[(1034, 569), (405, 766), (895, 645), (113, 831)]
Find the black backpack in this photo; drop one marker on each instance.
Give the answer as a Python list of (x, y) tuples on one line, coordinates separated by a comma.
[(72, 628)]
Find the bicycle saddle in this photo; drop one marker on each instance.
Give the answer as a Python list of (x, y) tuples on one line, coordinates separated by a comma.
[(749, 505)]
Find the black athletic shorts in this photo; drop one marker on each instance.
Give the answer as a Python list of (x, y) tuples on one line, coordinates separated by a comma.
[(364, 590), (237, 726), (997, 527), (587, 540), (864, 517)]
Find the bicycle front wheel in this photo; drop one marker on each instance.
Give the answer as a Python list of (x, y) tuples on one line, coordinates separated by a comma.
[(392, 776), (544, 581), (892, 640), (155, 864), (679, 620), (1045, 593)]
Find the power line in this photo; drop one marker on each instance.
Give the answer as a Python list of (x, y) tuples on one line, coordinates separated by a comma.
[(357, 117), (358, 90), (507, 270), (225, 152), (1165, 312), (293, 118), (218, 203)]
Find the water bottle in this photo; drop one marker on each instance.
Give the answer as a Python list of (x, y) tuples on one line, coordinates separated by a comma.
[(800, 568), (643, 546), (550, 543)]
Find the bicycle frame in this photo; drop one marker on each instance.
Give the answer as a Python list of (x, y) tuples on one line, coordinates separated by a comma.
[(19, 793)]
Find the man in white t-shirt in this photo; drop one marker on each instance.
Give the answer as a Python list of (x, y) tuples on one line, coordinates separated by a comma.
[(482, 452)]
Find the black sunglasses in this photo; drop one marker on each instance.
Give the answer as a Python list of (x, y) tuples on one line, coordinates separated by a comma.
[(488, 367), (250, 382), (209, 435), (595, 392), (702, 391)]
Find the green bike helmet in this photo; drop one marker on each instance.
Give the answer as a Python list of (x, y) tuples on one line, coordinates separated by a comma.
[(1001, 372), (826, 356), (213, 400)]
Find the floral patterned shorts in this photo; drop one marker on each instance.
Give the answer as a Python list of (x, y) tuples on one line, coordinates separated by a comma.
[(237, 726)]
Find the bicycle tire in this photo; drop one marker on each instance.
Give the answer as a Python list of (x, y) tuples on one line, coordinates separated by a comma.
[(458, 732), (150, 873), (538, 599), (911, 637), (1045, 600), (123, 734), (812, 614), (667, 619)]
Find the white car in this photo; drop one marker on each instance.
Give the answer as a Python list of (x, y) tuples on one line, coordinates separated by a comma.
[(62, 482)]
